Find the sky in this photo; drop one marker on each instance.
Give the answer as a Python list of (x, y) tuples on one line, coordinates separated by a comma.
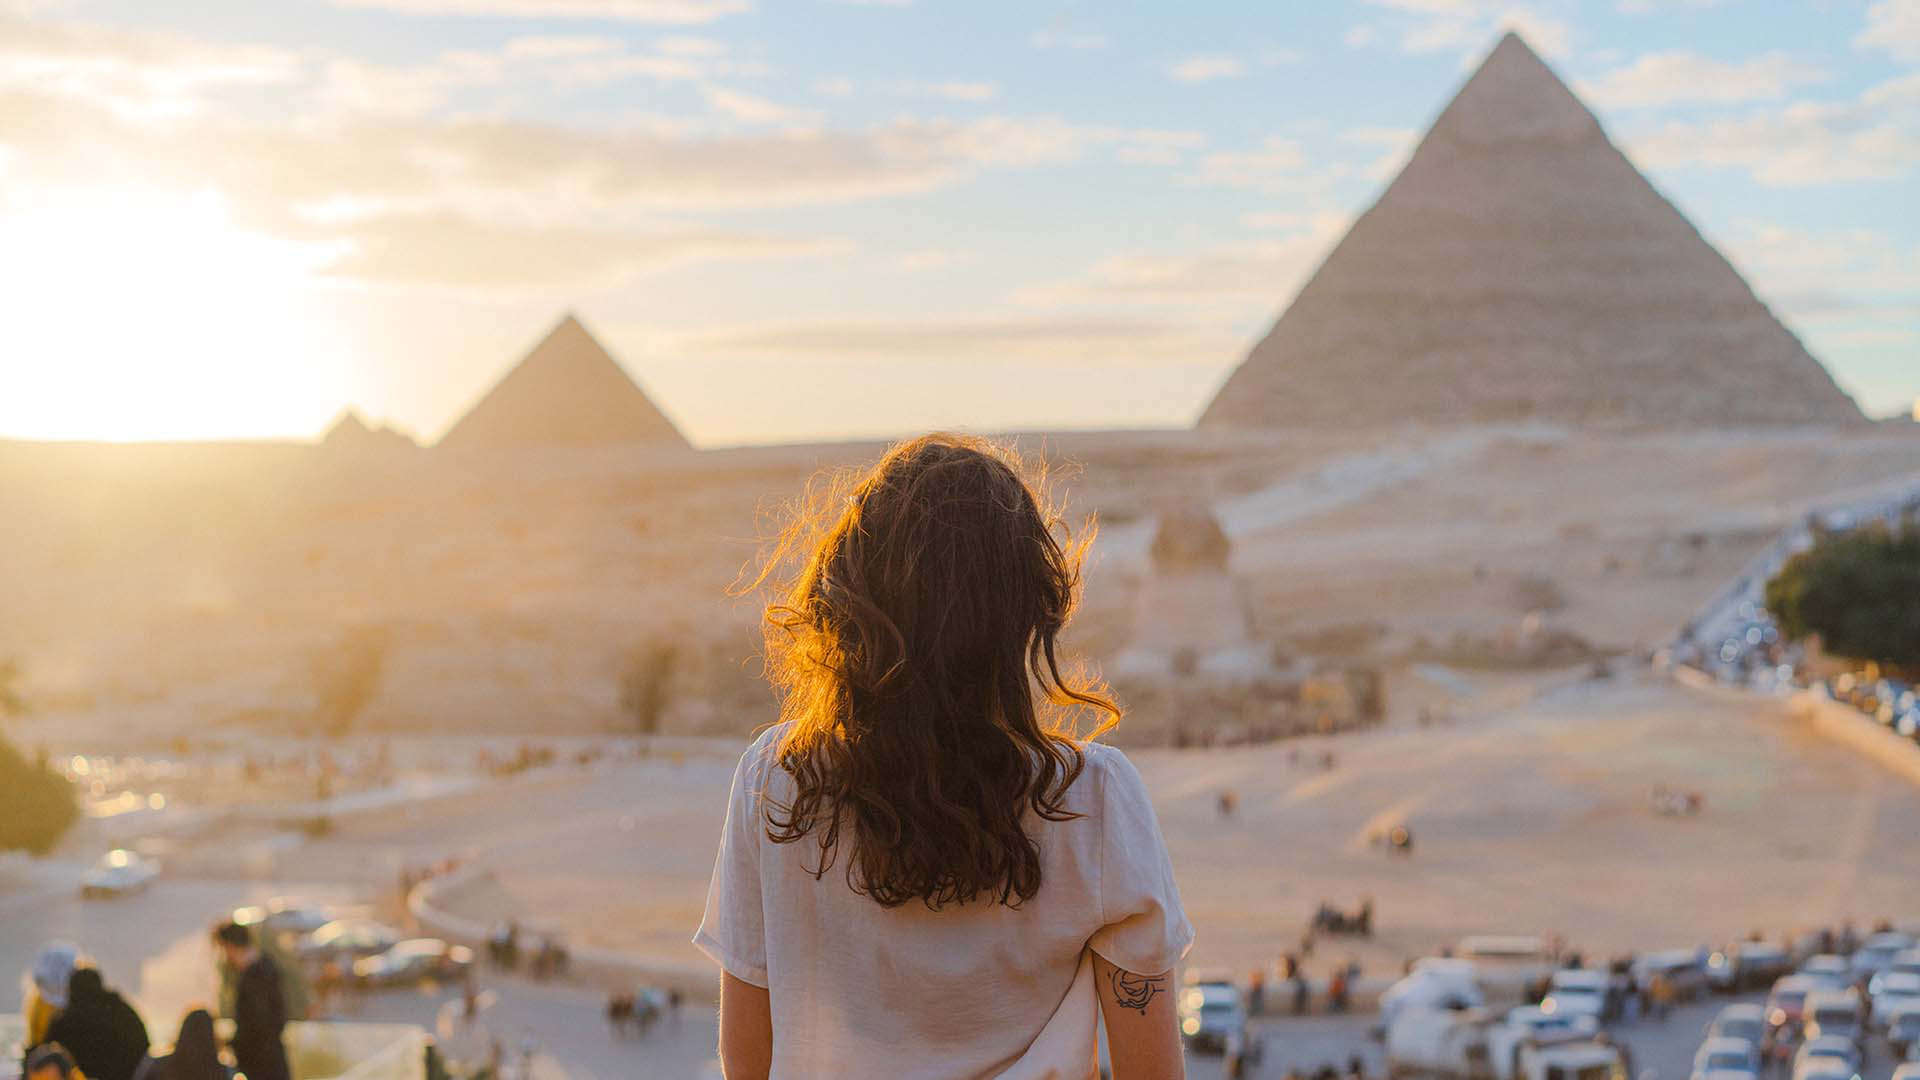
[(806, 219)]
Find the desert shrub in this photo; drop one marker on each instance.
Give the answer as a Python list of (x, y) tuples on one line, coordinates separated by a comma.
[(646, 684), (1859, 591), (346, 677), (37, 804)]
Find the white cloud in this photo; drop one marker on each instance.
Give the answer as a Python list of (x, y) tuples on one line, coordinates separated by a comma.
[(560, 46), (1465, 26), (839, 86), (1893, 26), (1194, 69), (1648, 7), (948, 91), (1669, 78), (1277, 164), (1875, 137), (1361, 36), (684, 45), (648, 11), (450, 251), (753, 109), (1096, 342)]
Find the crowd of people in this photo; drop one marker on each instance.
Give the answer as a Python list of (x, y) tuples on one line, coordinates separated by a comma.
[(79, 1028)]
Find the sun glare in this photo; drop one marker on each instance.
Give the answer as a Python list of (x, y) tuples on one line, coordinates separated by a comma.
[(148, 316)]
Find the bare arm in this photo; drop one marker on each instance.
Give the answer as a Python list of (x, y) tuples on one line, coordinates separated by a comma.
[(1143, 1039), (746, 1030)]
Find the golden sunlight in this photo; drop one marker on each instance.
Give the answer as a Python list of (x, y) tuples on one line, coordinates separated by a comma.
[(143, 315)]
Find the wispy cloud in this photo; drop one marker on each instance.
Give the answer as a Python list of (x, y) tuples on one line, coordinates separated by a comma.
[(1670, 78), (1873, 137), (647, 11), (1893, 26), (1206, 68)]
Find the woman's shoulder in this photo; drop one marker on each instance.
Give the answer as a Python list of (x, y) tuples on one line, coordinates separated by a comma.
[(1106, 774)]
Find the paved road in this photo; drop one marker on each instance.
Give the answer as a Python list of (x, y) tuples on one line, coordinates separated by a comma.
[(154, 947)]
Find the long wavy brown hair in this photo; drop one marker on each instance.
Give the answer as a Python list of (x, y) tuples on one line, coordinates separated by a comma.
[(916, 652)]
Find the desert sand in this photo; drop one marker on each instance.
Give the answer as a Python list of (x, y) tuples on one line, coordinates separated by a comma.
[(1530, 811)]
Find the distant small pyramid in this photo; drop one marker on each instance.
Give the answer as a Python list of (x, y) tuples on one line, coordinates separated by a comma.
[(352, 434), (1520, 268), (567, 392)]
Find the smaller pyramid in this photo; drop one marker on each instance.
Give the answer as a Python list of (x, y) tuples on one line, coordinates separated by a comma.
[(569, 391), (352, 434)]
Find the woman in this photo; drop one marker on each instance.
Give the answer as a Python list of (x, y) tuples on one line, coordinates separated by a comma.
[(923, 871), (43, 990), (195, 1055)]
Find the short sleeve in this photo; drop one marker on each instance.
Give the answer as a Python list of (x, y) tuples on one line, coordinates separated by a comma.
[(733, 930), (1143, 927)]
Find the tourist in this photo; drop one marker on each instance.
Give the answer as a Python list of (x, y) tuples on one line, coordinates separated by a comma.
[(43, 989), (1337, 990), (48, 1062), (259, 1006), (99, 1029), (195, 1055), (921, 839)]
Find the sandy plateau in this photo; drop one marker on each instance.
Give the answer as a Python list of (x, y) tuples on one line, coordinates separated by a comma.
[(185, 589)]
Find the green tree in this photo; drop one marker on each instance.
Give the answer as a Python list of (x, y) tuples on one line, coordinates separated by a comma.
[(37, 804), (1860, 591)]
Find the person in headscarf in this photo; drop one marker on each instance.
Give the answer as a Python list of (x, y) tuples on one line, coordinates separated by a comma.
[(104, 1034), (43, 987), (196, 1054)]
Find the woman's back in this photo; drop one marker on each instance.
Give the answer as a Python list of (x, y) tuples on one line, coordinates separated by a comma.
[(962, 991), (921, 861)]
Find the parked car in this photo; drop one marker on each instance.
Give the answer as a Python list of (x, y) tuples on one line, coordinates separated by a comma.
[(1748, 965), (1741, 1021), (1577, 992), (1572, 1061), (343, 941), (1836, 1014), (1451, 1044), (1212, 1014), (1725, 1053), (1680, 967), (1823, 1069), (1836, 1048), (1890, 991), (1832, 972), (287, 918), (1902, 1026), (1434, 983), (1877, 953), (414, 961), (1530, 1024), (1506, 966), (119, 873)]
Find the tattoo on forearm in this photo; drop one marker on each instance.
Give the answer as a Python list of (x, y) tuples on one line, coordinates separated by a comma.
[(1132, 991)]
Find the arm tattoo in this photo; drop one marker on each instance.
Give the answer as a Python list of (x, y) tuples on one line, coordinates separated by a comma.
[(1132, 991)]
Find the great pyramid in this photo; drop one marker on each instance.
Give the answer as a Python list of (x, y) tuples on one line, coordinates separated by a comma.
[(567, 392), (1520, 267)]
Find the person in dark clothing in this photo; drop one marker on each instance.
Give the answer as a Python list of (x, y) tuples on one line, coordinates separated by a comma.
[(48, 1061), (99, 1029), (196, 1055), (259, 1006)]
